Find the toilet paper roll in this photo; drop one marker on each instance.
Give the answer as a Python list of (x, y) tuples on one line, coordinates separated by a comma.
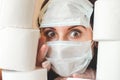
[(16, 13), (108, 65), (18, 48), (106, 20), (38, 74)]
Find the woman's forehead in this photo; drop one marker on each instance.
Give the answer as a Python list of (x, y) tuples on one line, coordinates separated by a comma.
[(65, 27)]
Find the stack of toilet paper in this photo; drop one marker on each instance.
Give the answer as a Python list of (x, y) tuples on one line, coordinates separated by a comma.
[(19, 41), (107, 32)]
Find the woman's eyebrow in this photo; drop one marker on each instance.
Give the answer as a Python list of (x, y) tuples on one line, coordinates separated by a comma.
[(76, 26), (49, 28)]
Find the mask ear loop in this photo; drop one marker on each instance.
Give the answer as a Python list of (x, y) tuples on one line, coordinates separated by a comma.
[(92, 47), (92, 42)]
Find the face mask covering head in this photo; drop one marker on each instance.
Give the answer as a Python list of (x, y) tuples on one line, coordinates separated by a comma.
[(68, 57), (72, 12)]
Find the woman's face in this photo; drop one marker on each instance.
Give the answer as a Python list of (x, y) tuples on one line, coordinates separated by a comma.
[(67, 33)]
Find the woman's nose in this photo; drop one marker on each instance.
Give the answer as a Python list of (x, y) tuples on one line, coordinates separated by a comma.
[(62, 37)]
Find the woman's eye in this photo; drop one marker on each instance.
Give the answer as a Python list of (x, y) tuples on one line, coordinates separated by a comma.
[(74, 34), (50, 34)]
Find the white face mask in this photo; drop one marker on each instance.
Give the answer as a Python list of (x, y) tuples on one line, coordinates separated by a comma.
[(68, 57)]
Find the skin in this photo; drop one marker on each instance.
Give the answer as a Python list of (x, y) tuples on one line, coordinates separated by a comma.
[(62, 33), (67, 33)]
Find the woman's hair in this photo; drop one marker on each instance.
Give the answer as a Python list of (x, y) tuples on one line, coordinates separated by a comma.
[(92, 19), (93, 63)]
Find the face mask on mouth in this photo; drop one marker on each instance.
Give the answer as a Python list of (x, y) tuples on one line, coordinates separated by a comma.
[(68, 57)]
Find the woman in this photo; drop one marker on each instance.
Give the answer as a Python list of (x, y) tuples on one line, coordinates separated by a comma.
[(66, 39)]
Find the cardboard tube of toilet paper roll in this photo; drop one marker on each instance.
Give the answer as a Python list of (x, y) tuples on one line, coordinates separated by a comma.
[(106, 20), (0, 74), (108, 65), (37, 74), (18, 48), (17, 13)]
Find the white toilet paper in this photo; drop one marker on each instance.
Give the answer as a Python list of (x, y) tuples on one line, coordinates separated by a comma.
[(107, 20), (38, 74), (18, 48), (16, 13), (108, 65)]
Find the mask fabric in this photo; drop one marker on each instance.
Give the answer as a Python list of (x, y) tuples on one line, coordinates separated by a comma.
[(68, 57), (72, 12)]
